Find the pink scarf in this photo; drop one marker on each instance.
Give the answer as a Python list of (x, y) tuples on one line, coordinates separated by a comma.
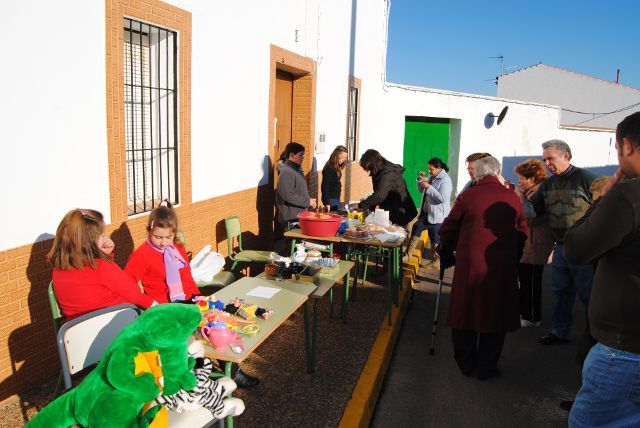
[(173, 262)]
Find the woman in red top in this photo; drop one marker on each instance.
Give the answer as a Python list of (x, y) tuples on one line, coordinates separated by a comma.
[(160, 264), (85, 278)]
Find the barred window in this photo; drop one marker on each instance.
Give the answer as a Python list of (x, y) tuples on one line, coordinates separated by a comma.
[(150, 108), (352, 126)]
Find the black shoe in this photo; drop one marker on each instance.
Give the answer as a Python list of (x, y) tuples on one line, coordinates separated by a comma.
[(551, 339), (484, 375), (244, 380), (566, 405)]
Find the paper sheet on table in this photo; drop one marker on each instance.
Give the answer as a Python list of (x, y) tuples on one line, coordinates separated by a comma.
[(266, 292)]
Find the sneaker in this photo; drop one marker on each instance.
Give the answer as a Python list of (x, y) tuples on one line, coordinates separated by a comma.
[(529, 324)]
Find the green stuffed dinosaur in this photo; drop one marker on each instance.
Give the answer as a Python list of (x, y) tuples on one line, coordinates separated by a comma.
[(112, 395)]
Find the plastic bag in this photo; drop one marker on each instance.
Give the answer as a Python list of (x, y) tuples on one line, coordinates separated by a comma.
[(206, 264)]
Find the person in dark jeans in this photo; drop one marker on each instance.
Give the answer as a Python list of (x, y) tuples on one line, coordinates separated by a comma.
[(536, 248)]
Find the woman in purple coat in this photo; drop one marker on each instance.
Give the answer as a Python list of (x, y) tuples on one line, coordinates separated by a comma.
[(487, 229)]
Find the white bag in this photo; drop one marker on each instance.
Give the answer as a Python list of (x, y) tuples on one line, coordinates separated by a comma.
[(206, 264)]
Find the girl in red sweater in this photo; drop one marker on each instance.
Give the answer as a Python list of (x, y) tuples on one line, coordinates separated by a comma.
[(160, 263), (85, 278)]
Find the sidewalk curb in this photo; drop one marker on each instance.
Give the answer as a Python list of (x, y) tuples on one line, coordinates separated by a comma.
[(362, 404)]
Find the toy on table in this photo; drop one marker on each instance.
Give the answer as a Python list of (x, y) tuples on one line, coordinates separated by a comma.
[(220, 335), (205, 303)]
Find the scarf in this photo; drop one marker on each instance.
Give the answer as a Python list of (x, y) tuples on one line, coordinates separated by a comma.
[(173, 262)]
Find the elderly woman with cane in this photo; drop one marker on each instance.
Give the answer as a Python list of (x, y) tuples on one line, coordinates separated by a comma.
[(487, 229)]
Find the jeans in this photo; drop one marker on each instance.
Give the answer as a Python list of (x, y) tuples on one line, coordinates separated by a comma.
[(610, 392), (422, 225), (566, 280)]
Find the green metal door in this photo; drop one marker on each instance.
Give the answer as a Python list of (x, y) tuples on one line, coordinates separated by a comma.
[(424, 138)]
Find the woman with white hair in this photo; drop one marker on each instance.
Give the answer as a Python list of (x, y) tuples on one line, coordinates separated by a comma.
[(487, 229)]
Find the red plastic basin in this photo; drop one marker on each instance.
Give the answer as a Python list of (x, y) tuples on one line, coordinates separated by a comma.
[(313, 226)]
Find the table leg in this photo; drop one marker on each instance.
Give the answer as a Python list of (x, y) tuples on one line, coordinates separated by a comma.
[(398, 274), (227, 372), (314, 329), (307, 338), (293, 245), (390, 284), (331, 303), (347, 284)]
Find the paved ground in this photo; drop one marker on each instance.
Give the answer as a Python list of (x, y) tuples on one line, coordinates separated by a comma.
[(422, 390)]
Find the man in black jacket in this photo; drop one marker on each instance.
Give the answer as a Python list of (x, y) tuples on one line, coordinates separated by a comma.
[(609, 233)]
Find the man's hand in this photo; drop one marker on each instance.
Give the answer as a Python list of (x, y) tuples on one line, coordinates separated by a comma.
[(313, 203), (618, 177)]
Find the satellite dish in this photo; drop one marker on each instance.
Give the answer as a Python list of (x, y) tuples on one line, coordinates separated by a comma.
[(502, 114), (490, 117), (489, 120)]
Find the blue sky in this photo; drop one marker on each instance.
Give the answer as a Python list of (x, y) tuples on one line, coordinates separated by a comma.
[(447, 44)]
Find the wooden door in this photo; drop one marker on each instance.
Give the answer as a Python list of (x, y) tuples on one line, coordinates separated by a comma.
[(284, 102)]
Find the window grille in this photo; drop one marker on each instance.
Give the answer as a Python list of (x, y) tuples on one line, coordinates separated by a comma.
[(150, 108), (353, 123)]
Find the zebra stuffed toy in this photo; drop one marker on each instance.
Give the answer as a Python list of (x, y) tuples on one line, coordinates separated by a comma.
[(209, 393)]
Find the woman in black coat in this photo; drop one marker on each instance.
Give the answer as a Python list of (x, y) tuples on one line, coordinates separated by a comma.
[(389, 189), (331, 174)]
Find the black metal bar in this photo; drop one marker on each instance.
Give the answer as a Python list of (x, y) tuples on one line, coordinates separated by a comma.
[(144, 168), (132, 125), (159, 118), (166, 81), (175, 118), (153, 193)]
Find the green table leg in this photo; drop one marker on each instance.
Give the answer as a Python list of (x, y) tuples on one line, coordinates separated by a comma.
[(331, 303), (347, 284), (227, 372), (390, 285), (307, 338), (314, 329)]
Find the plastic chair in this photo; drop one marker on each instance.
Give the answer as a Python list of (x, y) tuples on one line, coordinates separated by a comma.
[(83, 340), (232, 225), (58, 320)]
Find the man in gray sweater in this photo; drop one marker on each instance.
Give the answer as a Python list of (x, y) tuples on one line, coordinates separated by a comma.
[(609, 234), (564, 197)]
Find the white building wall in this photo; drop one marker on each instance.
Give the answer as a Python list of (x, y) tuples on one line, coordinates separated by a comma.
[(53, 115)]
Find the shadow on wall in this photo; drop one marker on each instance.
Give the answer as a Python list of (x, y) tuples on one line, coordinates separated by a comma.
[(510, 162), (32, 349), (265, 202), (124, 244)]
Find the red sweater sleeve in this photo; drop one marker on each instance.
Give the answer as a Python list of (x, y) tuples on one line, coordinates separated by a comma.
[(120, 283)]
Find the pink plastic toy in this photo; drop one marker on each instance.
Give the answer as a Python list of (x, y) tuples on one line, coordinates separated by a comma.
[(220, 335)]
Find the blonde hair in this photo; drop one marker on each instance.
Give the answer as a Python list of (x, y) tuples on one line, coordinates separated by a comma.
[(76, 241)]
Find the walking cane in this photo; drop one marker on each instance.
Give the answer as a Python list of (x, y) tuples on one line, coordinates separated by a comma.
[(435, 315)]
